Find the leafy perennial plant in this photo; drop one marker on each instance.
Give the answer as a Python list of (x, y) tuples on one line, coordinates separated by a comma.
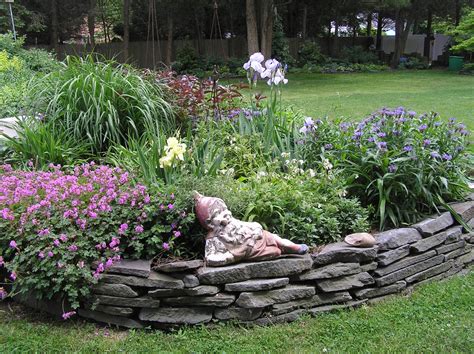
[(60, 230)]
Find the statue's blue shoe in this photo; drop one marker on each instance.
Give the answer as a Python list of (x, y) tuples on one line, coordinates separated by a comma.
[(303, 249)]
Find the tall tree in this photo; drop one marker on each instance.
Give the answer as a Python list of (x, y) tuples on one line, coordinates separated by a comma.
[(126, 29), (54, 26), (267, 13), (252, 33), (91, 20)]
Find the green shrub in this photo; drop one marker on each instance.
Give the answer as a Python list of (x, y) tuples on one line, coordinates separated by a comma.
[(402, 164), (310, 54), (358, 55), (102, 103)]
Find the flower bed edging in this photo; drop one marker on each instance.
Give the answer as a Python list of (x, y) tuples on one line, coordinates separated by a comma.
[(133, 295)]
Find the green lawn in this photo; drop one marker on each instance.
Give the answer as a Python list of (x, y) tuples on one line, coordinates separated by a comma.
[(356, 95), (437, 317)]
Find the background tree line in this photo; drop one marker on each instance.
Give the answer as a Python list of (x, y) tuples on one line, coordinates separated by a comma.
[(55, 21)]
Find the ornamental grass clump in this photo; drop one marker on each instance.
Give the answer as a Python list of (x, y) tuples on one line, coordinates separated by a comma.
[(401, 163), (59, 231), (102, 103)]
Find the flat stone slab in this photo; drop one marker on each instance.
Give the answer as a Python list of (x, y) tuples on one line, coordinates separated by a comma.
[(272, 320), (431, 226), (386, 258), (396, 238), (125, 301), (328, 308), (456, 253), (428, 273), (154, 280), (403, 263), (110, 319), (316, 300), (433, 241), (119, 290), (342, 252), (465, 210), (180, 266), (176, 315), (450, 247), (267, 298), (218, 300), (369, 267), (329, 271), (469, 238), (113, 310), (344, 283), (196, 291), (375, 292), (465, 259), (139, 268), (257, 284), (406, 272), (237, 313), (277, 268)]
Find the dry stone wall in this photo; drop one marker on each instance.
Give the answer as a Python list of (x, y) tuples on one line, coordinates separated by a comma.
[(134, 295)]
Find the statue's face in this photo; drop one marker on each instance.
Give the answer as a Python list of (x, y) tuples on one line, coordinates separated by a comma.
[(222, 219)]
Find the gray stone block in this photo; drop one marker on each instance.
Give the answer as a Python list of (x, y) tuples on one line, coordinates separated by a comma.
[(369, 267), (119, 290), (450, 247), (237, 313), (394, 255), (218, 300), (154, 280), (180, 266), (403, 263), (406, 272), (113, 310), (469, 238), (190, 281), (110, 319), (385, 290), (465, 258), (329, 271), (465, 210), (125, 301), (433, 225), (454, 235), (176, 315), (433, 241), (344, 283), (451, 272), (396, 238), (139, 268), (271, 320), (196, 291), (455, 254), (257, 284), (267, 298), (316, 300), (328, 308), (281, 267), (428, 273), (342, 252)]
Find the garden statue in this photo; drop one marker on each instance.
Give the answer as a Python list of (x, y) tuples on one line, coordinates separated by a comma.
[(230, 240), (360, 239)]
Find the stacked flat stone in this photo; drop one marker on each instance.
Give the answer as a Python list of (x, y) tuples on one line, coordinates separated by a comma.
[(340, 276)]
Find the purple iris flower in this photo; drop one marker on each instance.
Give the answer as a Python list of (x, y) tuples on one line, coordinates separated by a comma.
[(435, 154), (447, 157), (408, 148), (426, 142), (422, 127), (392, 168), (382, 145)]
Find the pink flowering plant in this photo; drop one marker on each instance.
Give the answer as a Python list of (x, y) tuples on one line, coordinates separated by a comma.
[(402, 163), (60, 230)]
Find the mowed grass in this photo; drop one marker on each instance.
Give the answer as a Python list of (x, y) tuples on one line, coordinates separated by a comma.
[(437, 317), (354, 96)]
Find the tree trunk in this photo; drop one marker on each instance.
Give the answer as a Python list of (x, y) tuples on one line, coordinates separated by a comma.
[(402, 29), (252, 33), (126, 29), (200, 42), (54, 27), (305, 18), (91, 21), (427, 43), (169, 45), (335, 49), (266, 27), (369, 24), (378, 43)]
